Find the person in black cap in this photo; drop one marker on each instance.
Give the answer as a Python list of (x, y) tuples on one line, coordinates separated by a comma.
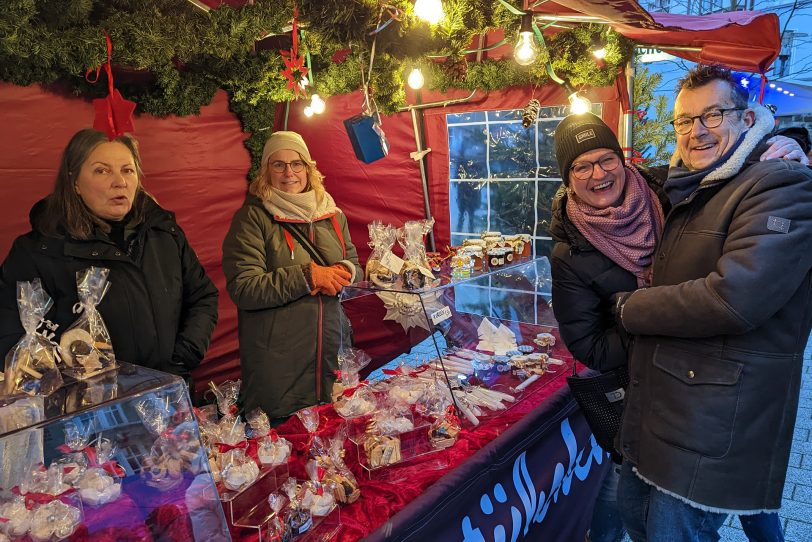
[(607, 219)]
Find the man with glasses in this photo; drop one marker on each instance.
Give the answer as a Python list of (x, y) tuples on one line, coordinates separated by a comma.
[(720, 334)]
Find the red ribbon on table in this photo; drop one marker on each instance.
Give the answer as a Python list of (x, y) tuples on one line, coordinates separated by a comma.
[(222, 447), (40, 498), (349, 392), (399, 371), (111, 467)]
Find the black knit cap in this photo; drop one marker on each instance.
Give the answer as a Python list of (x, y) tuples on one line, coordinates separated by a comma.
[(577, 134)]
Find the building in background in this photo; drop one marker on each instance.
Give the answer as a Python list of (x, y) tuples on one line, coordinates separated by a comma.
[(789, 81)]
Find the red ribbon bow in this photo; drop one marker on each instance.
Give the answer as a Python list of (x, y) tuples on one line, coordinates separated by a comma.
[(114, 114), (451, 415), (223, 447), (32, 499), (349, 392)]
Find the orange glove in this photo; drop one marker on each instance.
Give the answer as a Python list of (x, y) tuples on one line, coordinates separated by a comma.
[(328, 280)]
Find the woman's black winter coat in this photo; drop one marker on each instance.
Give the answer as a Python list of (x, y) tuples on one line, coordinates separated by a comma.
[(160, 308)]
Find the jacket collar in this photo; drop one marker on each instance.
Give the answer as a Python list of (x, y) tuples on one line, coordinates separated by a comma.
[(762, 127)]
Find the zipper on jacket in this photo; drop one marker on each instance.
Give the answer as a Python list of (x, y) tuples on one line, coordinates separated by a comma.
[(318, 351)]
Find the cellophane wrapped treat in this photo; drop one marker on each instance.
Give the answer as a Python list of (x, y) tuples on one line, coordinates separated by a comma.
[(237, 470), (74, 461), (277, 529), (382, 438), (338, 477), (299, 518), (351, 396), (271, 449), (381, 240), (101, 482), (58, 511), (85, 346), (175, 449), (31, 365), (407, 384), (316, 496), (416, 272), (16, 517)]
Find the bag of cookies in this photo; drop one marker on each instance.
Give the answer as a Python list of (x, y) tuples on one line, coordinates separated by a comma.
[(416, 272), (381, 240), (85, 346), (31, 365), (265, 445)]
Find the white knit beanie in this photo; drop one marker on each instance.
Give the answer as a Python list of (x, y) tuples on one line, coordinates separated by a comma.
[(285, 140)]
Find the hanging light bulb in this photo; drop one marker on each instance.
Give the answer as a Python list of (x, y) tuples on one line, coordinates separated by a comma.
[(415, 80), (308, 111), (578, 104), (525, 51), (430, 11), (317, 104), (600, 53)]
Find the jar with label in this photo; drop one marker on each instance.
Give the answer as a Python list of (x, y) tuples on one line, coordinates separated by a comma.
[(496, 257), (461, 265), (475, 253)]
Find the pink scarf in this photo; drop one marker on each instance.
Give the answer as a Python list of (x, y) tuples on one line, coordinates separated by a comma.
[(626, 234)]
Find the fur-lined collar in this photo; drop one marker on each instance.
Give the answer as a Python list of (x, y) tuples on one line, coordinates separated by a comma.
[(762, 127)]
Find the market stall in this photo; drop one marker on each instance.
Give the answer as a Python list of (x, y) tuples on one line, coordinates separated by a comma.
[(526, 470)]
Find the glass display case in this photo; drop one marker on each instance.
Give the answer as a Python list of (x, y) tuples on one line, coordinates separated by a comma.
[(489, 337), (115, 457)]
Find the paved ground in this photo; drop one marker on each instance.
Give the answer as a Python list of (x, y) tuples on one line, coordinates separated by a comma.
[(796, 512)]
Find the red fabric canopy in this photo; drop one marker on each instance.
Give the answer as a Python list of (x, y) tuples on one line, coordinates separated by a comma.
[(742, 40)]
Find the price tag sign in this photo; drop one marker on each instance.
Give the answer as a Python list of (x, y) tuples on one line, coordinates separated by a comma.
[(392, 262), (440, 315)]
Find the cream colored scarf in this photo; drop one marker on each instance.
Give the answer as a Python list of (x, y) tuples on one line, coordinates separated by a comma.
[(301, 207)]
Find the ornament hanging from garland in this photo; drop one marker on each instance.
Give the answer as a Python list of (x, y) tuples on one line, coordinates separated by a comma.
[(295, 69), (530, 113), (114, 114)]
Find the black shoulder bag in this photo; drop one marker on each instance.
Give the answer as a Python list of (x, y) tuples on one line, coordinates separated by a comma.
[(601, 400)]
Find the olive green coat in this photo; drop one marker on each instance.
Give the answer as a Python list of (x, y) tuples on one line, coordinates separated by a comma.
[(288, 339)]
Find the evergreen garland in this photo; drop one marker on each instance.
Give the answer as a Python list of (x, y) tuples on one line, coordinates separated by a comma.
[(170, 57)]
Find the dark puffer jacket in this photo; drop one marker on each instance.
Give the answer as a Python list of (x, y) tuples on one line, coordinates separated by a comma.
[(583, 281), (716, 365), (289, 339), (160, 308)]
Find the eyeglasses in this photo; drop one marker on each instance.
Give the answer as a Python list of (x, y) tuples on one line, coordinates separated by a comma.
[(709, 119), (296, 166), (583, 170)]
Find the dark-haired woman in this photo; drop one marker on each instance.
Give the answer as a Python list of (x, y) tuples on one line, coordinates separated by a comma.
[(160, 307)]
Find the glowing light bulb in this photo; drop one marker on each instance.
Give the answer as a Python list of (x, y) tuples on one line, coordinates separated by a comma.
[(525, 51), (578, 104), (430, 11), (415, 79), (772, 85), (317, 104), (779, 89), (308, 111), (599, 53)]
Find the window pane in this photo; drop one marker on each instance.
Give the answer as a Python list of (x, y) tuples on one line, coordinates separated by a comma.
[(467, 152), (511, 114), (557, 112), (512, 206), (512, 151), (548, 166), (456, 240), (469, 206), (474, 116), (547, 190)]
